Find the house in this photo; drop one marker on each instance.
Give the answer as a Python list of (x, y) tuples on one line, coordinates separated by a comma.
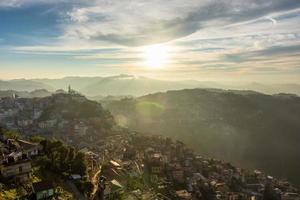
[(155, 165), (75, 177), (155, 162), (18, 169), (80, 129), (290, 196), (43, 190), (48, 123), (24, 123), (114, 164), (31, 149), (91, 159), (112, 189), (177, 173), (183, 194), (233, 196), (36, 114), (129, 153)]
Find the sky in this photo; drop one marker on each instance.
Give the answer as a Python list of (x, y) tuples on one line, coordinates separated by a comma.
[(227, 40)]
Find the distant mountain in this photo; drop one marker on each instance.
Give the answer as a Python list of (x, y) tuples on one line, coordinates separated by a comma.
[(250, 129), (23, 85), (124, 85), (131, 85), (267, 88), (25, 94), (76, 83)]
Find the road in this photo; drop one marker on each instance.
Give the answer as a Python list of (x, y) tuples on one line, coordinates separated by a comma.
[(94, 181), (78, 195)]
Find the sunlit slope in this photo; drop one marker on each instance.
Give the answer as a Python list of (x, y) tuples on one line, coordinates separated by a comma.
[(247, 128)]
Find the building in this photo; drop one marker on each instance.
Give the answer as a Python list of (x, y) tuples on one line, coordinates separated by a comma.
[(43, 190), (178, 173), (48, 124), (80, 129), (155, 165), (31, 149), (183, 194), (17, 169), (112, 189)]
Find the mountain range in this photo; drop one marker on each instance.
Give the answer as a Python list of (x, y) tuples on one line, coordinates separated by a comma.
[(123, 85)]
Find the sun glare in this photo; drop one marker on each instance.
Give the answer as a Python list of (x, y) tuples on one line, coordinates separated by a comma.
[(156, 56)]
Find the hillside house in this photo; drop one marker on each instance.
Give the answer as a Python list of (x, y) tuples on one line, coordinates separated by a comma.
[(43, 190), (17, 169), (31, 149)]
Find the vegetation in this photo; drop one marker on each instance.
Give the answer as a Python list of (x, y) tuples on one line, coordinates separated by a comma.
[(11, 134), (75, 109), (61, 159)]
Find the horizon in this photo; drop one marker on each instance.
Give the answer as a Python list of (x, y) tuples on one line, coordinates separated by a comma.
[(252, 41), (159, 79)]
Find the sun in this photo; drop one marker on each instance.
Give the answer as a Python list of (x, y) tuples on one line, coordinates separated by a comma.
[(156, 56)]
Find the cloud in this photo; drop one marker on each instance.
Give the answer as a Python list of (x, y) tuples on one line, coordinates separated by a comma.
[(265, 54), (138, 22), (274, 21)]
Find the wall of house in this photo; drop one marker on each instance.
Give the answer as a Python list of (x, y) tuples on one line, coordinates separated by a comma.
[(16, 169)]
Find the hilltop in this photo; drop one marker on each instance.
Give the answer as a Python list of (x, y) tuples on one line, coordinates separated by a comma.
[(64, 115)]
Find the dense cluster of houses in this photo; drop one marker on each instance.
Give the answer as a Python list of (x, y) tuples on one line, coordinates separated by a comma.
[(175, 172), (26, 115)]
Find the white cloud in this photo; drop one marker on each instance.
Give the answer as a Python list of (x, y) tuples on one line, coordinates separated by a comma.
[(137, 22), (274, 21)]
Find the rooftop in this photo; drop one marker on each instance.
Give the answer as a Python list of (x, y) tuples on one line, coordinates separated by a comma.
[(43, 185)]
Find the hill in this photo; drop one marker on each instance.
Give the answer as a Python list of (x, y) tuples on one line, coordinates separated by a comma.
[(69, 116), (250, 129)]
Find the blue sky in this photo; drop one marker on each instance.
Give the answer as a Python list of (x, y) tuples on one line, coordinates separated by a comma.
[(249, 40)]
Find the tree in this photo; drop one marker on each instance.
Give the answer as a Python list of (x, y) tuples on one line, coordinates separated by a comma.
[(12, 134), (36, 138), (78, 165)]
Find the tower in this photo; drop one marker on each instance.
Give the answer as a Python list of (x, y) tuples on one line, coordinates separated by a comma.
[(69, 89)]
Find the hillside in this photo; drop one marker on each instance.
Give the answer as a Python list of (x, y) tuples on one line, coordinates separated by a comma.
[(250, 129), (69, 116), (154, 166)]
